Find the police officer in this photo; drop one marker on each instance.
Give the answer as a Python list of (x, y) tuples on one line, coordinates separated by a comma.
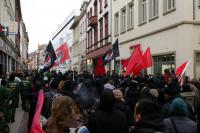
[(5, 100), (13, 86), (25, 90)]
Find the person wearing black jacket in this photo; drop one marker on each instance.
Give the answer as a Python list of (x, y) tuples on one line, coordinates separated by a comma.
[(107, 119), (148, 118)]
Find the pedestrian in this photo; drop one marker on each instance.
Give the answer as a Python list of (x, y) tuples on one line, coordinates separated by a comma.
[(148, 118), (178, 122), (122, 106), (65, 116), (107, 119), (49, 96), (14, 88)]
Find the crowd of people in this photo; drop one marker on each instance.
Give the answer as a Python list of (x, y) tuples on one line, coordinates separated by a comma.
[(111, 103)]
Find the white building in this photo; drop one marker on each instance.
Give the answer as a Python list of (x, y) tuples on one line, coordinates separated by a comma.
[(171, 28), (24, 41), (79, 28), (75, 53), (64, 34)]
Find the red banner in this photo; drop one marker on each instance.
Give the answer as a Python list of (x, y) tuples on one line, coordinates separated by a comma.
[(62, 54), (36, 128)]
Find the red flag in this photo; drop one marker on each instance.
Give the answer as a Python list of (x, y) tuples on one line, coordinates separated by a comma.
[(36, 128), (147, 58), (181, 69), (99, 69), (135, 63), (124, 62), (62, 54)]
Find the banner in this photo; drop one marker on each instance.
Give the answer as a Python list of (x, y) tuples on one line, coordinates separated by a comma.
[(135, 63), (36, 128), (50, 57), (147, 58), (62, 54), (99, 68), (111, 53)]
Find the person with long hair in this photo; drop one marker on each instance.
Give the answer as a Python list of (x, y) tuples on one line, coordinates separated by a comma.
[(64, 113)]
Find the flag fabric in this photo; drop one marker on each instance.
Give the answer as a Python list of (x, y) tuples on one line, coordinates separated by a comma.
[(135, 63), (50, 57), (99, 68), (124, 62), (181, 70), (147, 58), (36, 128), (111, 53), (62, 54)]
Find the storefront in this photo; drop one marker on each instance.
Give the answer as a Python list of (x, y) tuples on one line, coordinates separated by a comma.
[(162, 62)]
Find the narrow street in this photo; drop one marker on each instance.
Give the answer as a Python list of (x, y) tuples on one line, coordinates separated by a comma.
[(21, 120)]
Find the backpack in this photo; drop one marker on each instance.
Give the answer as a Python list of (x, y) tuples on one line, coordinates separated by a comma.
[(50, 96), (81, 129)]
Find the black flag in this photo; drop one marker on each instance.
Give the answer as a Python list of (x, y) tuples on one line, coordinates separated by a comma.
[(50, 57), (112, 53)]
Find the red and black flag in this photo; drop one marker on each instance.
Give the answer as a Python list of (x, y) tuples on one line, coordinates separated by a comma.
[(112, 53), (50, 57), (62, 54)]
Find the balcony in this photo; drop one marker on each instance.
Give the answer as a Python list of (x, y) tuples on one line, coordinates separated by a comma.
[(93, 21)]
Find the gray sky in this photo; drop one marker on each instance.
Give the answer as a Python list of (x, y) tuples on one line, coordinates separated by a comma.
[(42, 17)]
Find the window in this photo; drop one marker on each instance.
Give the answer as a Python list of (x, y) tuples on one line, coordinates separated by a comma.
[(123, 19), (116, 24), (106, 29), (101, 32), (130, 16), (142, 11), (153, 9), (106, 3), (100, 4), (162, 62), (168, 5)]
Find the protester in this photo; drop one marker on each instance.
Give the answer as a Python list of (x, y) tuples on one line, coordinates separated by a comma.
[(107, 119), (65, 114), (121, 105), (106, 104), (171, 91), (178, 122), (49, 95), (148, 118)]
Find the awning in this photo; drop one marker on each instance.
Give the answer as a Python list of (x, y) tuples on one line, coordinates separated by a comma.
[(98, 52)]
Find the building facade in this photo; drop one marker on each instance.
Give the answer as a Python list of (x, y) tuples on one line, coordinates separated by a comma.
[(171, 28), (98, 30), (64, 34), (83, 36), (24, 42), (41, 55), (32, 65), (75, 54), (10, 19)]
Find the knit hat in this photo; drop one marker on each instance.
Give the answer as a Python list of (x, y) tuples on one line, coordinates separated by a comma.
[(178, 107)]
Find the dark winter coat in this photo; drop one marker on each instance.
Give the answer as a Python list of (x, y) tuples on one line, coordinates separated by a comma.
[(150, 124), (120, 105), (183, 125), (112, 121)]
